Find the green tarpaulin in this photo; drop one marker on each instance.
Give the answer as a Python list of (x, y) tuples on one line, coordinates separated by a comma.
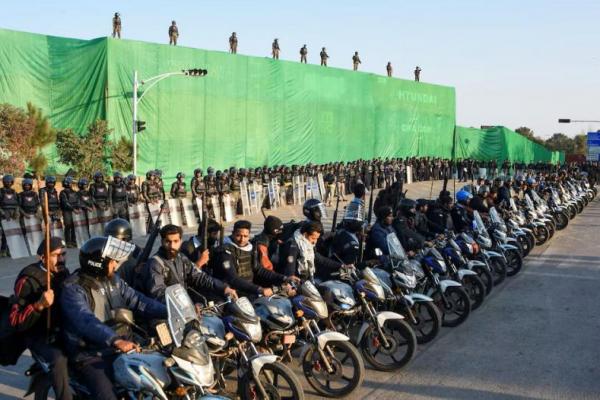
[(248, 111), (501, 144)]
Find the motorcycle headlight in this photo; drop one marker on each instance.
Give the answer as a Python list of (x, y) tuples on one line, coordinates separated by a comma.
[(254, 331)]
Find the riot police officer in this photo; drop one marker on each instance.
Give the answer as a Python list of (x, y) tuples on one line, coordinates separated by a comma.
[(197, 184), (117, 193), (68, 204), (84, 201), (178, 190), (133, 190), (234, 187), (9, 205), (88, 300), (99, 192), (29, 201), (53, 200)]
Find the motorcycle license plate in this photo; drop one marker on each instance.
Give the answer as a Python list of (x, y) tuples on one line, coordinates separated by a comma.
[(289, 339)]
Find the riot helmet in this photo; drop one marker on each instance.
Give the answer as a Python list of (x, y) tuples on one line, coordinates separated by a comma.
[(119, 228), (408, 207), (96, 254), (313, 209)]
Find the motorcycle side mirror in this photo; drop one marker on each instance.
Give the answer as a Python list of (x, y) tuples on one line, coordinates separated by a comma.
[(124, 316), (378, 252)]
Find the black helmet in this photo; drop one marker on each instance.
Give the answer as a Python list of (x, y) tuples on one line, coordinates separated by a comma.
[(180, 175), (313, 209), (158, 172), (131, 177), (67, 181), (50, 179), (198, 171), (408, 207), (8, 179), (82, 182), (218, 174), (27, 182), (149, 174), (98, 176), (117, 174), (422, 202), (118, 228), (210, 170), (96, 253), (232, 170)]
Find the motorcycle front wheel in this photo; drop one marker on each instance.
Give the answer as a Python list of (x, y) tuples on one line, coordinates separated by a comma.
[(428, 321), (457, 307), (278, 381), (562, 220), (402, 345), (498, 267), (348, 369), (541, 236), (514, 262), (486, 276), (475, 288)]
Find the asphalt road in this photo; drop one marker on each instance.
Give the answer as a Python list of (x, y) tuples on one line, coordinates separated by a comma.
[(535, 337)]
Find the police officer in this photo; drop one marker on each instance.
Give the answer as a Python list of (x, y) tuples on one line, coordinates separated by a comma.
[(99, 192), (116, 24), (194, 249), (173, 33), (233, 43), (303, 54), (236, 264), (88, 300), (355, 61), (388, 68), (68, 204), (417, 74), (460, 213), (234, 187), (378, 236), (33, 301), (133, 190), (9, 205), (197, 185), (117, 193), (84, 201), (53, 200), (275, 49), (324, 57), (345, 246), (169, 267), (160, 184), (150, 194), (29, 201), (297, 256), (267, 242), (438, 214), (178, 190), (404, 225), (121, 229)]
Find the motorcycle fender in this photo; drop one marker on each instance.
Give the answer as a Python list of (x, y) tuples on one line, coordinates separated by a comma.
[(511, 239), (328, 336), (465, 272), (381, 318), (539, 224), (258, 361), (526, 230), (409, 300), (419, 298), (446, 283), (492, 254), (508, 247), (475, 263)]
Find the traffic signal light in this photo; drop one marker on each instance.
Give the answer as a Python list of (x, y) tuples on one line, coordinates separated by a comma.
[(564, 120), (195, 72), (140, 126)]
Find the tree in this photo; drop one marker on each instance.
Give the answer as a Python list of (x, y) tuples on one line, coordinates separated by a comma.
[(43, 135), (122, 156), (580, 144), (561, 142), (16, 130), (529, 134), (86, 153)]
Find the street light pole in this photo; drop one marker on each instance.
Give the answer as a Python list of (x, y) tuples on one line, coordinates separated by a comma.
[(568, 120), (134, 124), (153, 81)]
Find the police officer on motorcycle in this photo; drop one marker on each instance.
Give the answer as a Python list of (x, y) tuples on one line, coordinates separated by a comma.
[(88, 301), (33, 301)]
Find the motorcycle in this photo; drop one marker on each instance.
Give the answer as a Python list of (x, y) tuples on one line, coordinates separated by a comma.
[(175, 366), (330, 363), (385, 340)]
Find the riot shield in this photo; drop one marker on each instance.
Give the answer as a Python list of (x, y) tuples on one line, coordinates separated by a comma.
[(14, 238), (245, 198), (174, 212), (137, 219), (95, 227), (188, 211), (33, 231), (154, 211), (214, 201), (227, 208), (199, 206), (81, 227)]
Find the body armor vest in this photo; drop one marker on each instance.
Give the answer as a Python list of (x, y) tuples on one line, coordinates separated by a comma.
[(132, 194), (8, 199), (235, 184), (100, 193), (119, 193), (180, 191), (198, 186), (29, 201), (71, 196), (153, 192), (53, 202), (243, 262), (85, 199)]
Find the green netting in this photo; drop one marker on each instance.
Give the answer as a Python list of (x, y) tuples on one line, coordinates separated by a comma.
[(248, 111), (501, 144)]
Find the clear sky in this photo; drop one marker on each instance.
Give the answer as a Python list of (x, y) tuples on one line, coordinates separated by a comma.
[(513, 63)]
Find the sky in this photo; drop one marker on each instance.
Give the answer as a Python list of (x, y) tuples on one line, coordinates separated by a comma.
[(513, 63)]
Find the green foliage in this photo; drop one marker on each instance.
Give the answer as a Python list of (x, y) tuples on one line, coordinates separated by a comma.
[(42, 136), (122, 156), (561, 142), (16, 130), (580, 144), (88, 152), (529, 134)]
